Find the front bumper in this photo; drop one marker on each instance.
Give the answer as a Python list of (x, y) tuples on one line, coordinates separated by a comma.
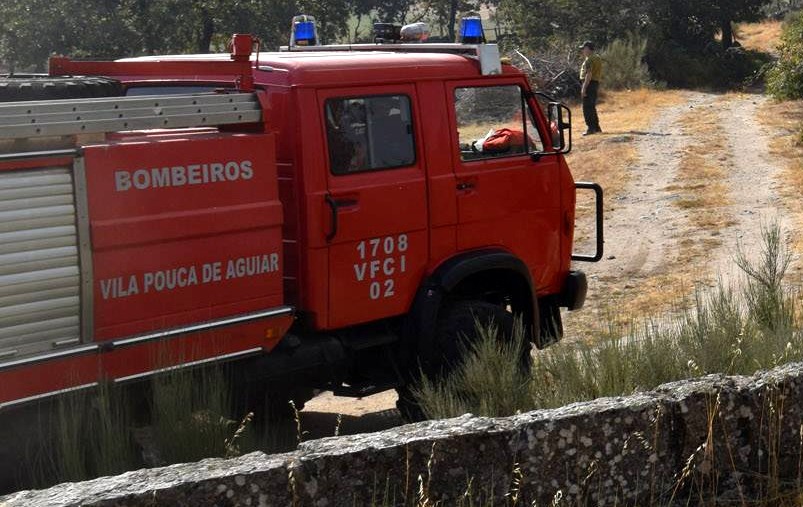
[(573, 294)]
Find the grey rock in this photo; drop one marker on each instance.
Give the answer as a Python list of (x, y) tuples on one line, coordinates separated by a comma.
[(681, 438)]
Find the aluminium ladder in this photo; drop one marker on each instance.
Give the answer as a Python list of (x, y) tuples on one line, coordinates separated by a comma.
[(64, 117)]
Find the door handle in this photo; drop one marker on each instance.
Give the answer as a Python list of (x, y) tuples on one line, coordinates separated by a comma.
[(334, 206), (465, 185), (345, 203)]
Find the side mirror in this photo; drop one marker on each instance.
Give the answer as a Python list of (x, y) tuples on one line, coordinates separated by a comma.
[(560, 121)]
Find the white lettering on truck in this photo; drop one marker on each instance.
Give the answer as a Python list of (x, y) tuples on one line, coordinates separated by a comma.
[(188, 276), (381, 262), (179, 176)]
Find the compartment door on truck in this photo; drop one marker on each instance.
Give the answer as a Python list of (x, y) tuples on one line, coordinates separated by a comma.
[(377, 237), (505, 197)]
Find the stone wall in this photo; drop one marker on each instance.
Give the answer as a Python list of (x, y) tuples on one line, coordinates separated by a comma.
[(682, 440)]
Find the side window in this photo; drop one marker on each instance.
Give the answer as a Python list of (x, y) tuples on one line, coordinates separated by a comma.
[(494, 121), (369, 133)]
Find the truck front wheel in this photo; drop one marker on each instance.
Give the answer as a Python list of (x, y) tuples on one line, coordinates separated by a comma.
[(459, 326)]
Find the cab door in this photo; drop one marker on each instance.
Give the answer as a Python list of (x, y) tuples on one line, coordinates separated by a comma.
[(377, 224), (505, 196)]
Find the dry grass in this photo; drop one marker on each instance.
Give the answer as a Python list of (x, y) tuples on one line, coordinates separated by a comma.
[(699, 190), (608, 158), (786, 120), (622, 114), (699, 185), (762, 36)]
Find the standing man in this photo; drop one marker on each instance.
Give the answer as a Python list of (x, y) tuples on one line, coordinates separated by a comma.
[(590, 75)]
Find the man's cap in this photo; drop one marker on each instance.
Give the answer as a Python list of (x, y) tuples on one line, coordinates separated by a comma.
[(587, 44)]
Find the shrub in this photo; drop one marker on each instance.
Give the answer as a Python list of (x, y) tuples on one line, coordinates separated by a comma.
[(725, 331), (81, 435), (785, 79), (710, 66), (190, 411), (624, 63), (489, 382)]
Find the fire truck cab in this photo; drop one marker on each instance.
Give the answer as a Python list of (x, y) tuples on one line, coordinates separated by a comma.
[(336, 220)]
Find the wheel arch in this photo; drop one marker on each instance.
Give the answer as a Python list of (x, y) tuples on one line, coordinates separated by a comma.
[(467, 275)]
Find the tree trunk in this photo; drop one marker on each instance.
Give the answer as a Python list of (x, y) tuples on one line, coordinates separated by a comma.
[(452, 19), (207, 31), (727, 33)]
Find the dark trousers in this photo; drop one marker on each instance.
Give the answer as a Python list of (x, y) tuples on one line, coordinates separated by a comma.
[(590, 106)]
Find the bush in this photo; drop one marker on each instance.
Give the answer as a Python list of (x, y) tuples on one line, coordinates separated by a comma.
[(785, 79), (726, 331), (624, 64), (710, 66), (490, 382), (190, 412)]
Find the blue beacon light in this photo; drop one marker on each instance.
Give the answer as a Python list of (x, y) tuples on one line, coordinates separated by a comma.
[(304, 31), (471, 31)]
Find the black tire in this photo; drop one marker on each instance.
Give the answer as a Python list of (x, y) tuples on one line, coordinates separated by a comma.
[(42, 87), (456, 331)]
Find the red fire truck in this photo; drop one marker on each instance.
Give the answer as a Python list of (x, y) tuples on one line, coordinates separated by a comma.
[(331, 217)]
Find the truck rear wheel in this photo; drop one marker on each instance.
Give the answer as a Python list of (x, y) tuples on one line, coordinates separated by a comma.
[(43, 87), (457, 329)]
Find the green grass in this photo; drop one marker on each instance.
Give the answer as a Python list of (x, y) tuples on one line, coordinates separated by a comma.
[(735, 330), (109, 430), (731, 329), (728, 330), (191, 414)]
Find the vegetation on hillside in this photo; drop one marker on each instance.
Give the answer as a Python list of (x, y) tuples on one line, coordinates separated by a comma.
[(683, 43), (32, 30), (785, 79), (729, 330)]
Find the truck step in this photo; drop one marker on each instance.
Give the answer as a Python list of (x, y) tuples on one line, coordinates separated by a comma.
[(369, 341), (361, 390)]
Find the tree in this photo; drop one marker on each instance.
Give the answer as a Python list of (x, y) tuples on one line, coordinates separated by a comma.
[(727, 12), (785, 79), (32, 30), (541, 22)]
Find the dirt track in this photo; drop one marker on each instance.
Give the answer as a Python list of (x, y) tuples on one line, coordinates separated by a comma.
[(648, 236), (655, 245)]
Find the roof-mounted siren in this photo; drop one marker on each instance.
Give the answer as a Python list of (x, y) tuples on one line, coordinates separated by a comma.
[(415, 32), (303, 31), (471, 31)]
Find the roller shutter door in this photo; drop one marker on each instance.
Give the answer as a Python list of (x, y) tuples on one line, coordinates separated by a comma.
[(39, 264)]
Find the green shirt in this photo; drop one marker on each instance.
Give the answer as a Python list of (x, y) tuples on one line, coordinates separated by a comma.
[(592, 64)]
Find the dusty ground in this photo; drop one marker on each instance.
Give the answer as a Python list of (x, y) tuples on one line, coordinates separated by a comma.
[(696, 181), (703, 185)]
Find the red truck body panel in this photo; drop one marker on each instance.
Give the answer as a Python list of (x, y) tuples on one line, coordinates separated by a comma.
[(517, 204), (202, 225), (185, 228), (201, 242)]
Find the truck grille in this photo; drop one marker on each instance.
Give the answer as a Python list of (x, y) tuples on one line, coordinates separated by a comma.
[(39, 264)]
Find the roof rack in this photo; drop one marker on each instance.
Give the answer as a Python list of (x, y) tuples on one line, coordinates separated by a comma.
[(487, 54), (238, 69)]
